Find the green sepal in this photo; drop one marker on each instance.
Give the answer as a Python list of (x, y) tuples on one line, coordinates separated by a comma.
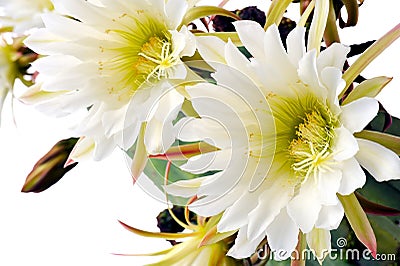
[(368, 56), (204, 11), (359, 222), (368, 88), (389, 141)]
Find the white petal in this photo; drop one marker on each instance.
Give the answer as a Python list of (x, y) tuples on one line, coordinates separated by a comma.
[(330, 217), (51, 65), (81, 10), (207, 162), (229, 179), (243, 246), (213, 205), (319, 241), (175, 10), (236, 59), (382, 163), (210, 48), (296, 47), (113, 121), (304, 208), (308, 74), (190, 42), (333, 56), (42, 41), (195, 129), (68, 28), (345, 145), (265, 212), (252, 36), (103, 148), (282, 235), (236, 215), (276, 55), (82, 150), (185, 188), (357, 114), (160, 134), (353, 177), (332, 78), (328, 185)]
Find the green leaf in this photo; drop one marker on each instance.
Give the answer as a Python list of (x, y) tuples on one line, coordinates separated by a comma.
[(387, 234), (375, 208), (155, 170), (368, 88), (359, 221), (368, 56), (389, 141), (204, 11), (385, 193)]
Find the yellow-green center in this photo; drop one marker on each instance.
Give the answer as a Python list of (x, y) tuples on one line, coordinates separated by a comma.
[(141, 51), (310, 150), (305, 132)]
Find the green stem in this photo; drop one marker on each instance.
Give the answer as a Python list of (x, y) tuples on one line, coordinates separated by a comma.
[(331, 34), (368, 56), (276, 11), (352, 12)]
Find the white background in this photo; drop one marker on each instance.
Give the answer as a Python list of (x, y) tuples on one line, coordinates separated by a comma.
[(75, 221)]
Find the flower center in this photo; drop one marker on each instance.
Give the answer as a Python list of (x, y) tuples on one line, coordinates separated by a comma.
[(311, 151), (157, 58), (139, 50)]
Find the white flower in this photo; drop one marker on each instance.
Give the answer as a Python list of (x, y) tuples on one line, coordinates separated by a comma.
[(24, 15), (113, 57), (8, 70), (286, 144)]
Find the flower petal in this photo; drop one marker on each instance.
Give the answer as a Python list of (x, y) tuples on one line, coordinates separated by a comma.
[(380, 162), (319, 241), (308, 74), (252, 36), (282, 235), (345, 145), (332, 78), (210, 48), (328, 185), (305, 207), (207, 162), (353, 177), (265, 212), (185, 188), (357, 114), (296, 47), (333, 56), (243, 246), (236, 215), (175, 10), (330, 217)]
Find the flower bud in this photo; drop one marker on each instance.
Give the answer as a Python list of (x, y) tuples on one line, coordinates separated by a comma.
[(51, 167)]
